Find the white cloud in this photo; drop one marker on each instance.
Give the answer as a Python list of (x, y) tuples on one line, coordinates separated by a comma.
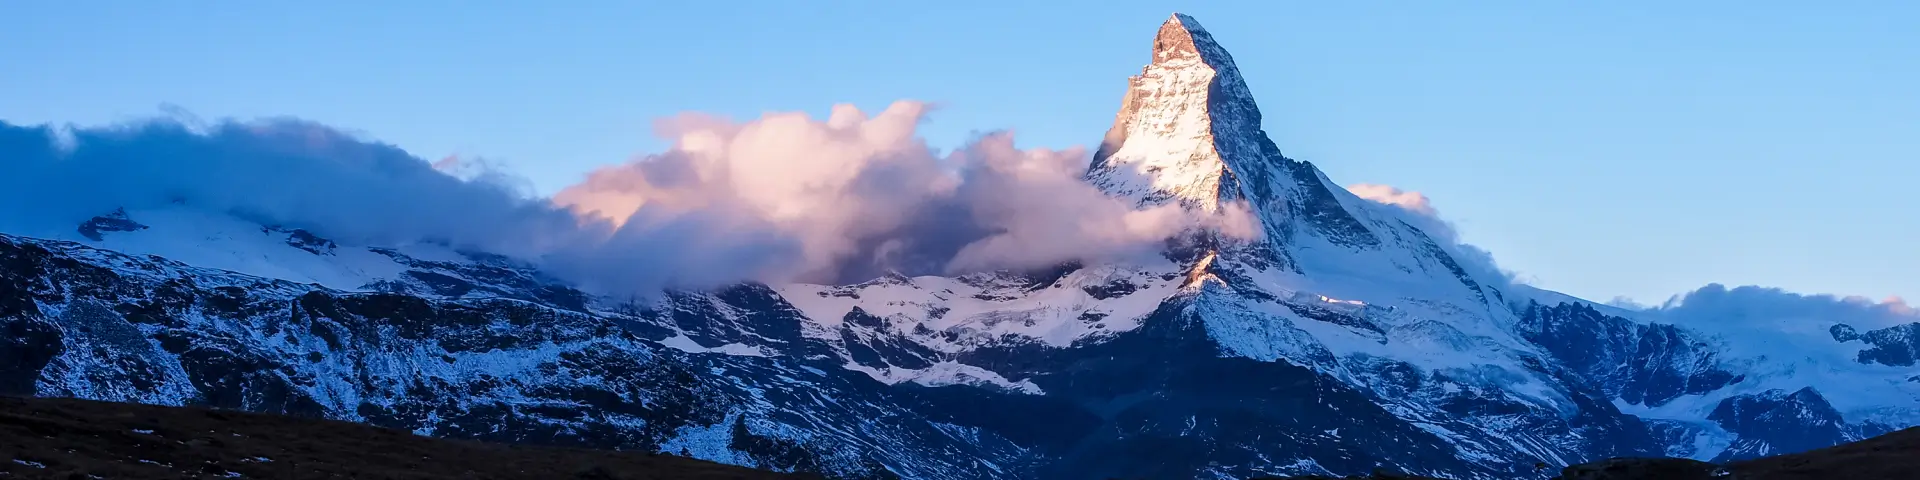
[(1760, 306), (1898, 305), (778, 198), (1412, 201), (1417, 210), (856, 195)]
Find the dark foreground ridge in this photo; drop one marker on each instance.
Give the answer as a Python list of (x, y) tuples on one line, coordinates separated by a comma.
[(45, 438), (50, 438), (1894, 456)]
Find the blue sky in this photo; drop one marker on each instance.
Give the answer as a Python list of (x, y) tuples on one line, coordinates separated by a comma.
[(1637, 148)]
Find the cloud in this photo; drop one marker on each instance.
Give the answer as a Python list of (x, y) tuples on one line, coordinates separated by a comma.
[(1717, 304), (1411, 201), (1898, 305), (783, 197), (283, 171), (1417, 210), (1623, 301), (856, 195)]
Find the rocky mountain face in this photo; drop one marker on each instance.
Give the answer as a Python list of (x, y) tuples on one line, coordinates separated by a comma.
[(1338, 338)]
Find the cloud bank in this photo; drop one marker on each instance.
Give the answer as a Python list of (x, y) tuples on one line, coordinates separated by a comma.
[(1414, 202), (1718, 305), (289, 172), (852, 197), (784, 197)]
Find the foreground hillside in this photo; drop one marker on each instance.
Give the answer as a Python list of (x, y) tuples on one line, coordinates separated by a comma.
[(66, 438), (1887, 457), (63, 438)]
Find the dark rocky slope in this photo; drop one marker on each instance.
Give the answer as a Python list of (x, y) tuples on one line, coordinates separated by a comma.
[(1894, 456), (63, 438)]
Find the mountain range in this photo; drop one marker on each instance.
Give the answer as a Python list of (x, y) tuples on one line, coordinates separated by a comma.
[(1308, 331)]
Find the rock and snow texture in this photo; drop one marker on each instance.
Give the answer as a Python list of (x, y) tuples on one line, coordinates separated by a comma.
[(1161, 147), (1189, 132), (1340, 339)]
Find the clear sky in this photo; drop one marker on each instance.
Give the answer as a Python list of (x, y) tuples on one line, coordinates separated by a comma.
[(1599, 148)]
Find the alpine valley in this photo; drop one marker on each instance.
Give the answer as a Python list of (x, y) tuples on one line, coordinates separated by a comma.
[(1341, 339)]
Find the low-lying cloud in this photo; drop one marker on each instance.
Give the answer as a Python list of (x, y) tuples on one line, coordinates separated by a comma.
[(289, 172), (1717, 304), (854, 196), (783, 197)]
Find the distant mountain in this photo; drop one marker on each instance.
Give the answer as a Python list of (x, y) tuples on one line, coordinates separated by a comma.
[(1337, 336)]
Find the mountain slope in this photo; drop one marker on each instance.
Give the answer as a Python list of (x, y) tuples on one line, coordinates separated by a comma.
[(101, 325)]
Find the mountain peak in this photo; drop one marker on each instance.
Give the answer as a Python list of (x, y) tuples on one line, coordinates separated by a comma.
[(1182, 37), (1188, 133), (1161, 148)]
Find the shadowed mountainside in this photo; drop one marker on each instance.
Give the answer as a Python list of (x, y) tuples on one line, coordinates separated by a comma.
[(1887, 457), (66, 438)]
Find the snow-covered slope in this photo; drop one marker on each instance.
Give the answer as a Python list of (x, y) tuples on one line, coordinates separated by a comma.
[(1340, 338)]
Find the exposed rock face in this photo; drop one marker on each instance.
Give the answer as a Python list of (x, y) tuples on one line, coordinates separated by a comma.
[(304, 240), (97, 228), (1897, 346), (1644, 364), (1776, 422)]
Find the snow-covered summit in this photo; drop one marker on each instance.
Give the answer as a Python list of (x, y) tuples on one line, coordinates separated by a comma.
[(1188, 132), (1161, 148)]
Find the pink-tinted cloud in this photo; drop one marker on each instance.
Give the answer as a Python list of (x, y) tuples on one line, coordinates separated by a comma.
[(1718, 304), (857, 195), (1895, 304), (1412, 201), (783, 197), (1417, 210)]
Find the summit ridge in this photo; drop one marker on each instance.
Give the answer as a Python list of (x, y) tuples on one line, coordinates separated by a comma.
[(1160, 149)]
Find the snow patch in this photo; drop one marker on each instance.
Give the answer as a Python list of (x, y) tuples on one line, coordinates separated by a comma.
[(682, 343), (947, 373)]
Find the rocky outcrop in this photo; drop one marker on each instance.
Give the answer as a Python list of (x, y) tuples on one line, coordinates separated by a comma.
[(1643, 364), (1897, 346)]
